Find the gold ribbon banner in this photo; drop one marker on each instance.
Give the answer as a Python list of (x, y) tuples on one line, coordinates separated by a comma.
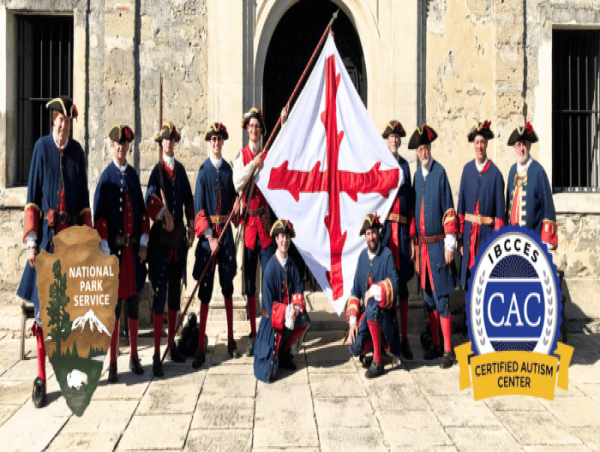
[(514, 373)]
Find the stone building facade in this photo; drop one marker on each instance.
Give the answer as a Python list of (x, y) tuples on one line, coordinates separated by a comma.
[(447, 62)]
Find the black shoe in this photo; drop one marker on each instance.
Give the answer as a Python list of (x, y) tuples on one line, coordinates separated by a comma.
[(250, 346), (157, 365), (406, 351), (112, 373), (436, 352), (176, 357), (232, 349), (366, 361), (285, 361), (446, 361), (39, 393), (198, 359), (425, 338), (135, 366), (375, 370)]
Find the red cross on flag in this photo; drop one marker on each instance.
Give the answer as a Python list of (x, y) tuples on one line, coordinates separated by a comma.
[(327, 170)]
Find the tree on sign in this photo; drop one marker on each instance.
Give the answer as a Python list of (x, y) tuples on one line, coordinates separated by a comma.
[(60, 320)]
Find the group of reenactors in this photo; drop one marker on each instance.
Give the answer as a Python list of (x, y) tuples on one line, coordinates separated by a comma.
[(422, 226)]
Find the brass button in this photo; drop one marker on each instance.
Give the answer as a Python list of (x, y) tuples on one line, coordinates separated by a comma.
[(119, 252), (120, 209)]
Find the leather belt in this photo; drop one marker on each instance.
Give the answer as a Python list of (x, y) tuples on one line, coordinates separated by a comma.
[(257, 212), (397, 218), (430, 239), (63, 217), (478, 219), (124, 240), (218, 219)]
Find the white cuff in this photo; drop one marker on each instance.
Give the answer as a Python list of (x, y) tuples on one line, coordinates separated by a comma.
[(144, 240), (450, 242), (160, 214), (376, 292), (104, 248), (207, 232), (31, 239), (352, 320)]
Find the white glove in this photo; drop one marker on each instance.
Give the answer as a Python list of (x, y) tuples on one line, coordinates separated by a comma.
[(104, 248), (376, 292), (289, 311), (31, 240)]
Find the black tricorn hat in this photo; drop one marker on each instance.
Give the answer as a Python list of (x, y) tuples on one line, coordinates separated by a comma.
[(216, 128), (394, 127), (523, 134), (283, 227), (371, 221), (254, 113), (121, 134), (169, 131), (425, 135), (483, 129), (64, 106)]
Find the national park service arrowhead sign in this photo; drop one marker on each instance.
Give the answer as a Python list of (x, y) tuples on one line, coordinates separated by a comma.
[(77, 287)]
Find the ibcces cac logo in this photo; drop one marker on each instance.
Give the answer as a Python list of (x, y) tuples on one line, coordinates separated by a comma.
[(513, 316)]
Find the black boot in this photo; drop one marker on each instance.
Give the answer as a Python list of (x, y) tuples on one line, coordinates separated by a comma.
[(375, 370), (39, 393), (366, 361), (176, 357), (112, 373), (157, 365), (436, 352), (250, 346), (198, 359), (135, 366), (286, 361), (406, 351), (232, 349), (446, 361)]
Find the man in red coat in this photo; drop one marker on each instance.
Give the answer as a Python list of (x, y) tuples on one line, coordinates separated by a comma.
[(257, 241)]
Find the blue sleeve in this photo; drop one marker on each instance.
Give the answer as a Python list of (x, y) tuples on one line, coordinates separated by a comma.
[(548, 211), (152, 188), (356, 288), (269, 290), (390, 271), (199, 193), (99, 208), (460, 203), (84, 196), (500, 207), (445, 193), (297, 284), (508, 190), (36, 176)]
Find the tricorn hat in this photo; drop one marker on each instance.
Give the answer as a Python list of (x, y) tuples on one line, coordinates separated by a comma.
[(254, 113), (483, 129), (425, 135), (394, 127), (168, 131), (371, 221), (523, 134), (216, 128), (64, 106), (121, 134), (283, 227)]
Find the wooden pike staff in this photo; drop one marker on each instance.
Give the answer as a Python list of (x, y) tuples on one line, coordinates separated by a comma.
[(248, 190)]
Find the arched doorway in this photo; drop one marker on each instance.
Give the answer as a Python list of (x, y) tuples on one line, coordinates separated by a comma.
[(292, 44), (290, 48)]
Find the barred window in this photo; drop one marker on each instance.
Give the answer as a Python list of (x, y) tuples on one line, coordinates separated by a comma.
[(575, 110), (45, 71)]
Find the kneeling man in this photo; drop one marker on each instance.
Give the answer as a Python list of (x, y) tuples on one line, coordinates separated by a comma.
[(370, 308), (284, 319)]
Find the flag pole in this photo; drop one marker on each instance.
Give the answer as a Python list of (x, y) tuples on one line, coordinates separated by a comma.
[(250, 187)]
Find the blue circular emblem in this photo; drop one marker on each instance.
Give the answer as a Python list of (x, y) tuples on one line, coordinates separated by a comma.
[(513, 301)]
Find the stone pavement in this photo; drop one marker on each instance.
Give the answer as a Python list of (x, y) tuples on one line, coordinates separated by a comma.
[(326, 404)]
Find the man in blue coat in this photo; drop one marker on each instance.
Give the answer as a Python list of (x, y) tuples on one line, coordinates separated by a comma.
[(396, 232), (167, 252), (370, 310), (214, 199), (480, 200), (434, 228), (528, 193), (284, 319), (57, 197), (123, 225)]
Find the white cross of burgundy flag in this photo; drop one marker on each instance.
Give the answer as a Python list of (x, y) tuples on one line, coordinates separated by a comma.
[(328, 169)]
